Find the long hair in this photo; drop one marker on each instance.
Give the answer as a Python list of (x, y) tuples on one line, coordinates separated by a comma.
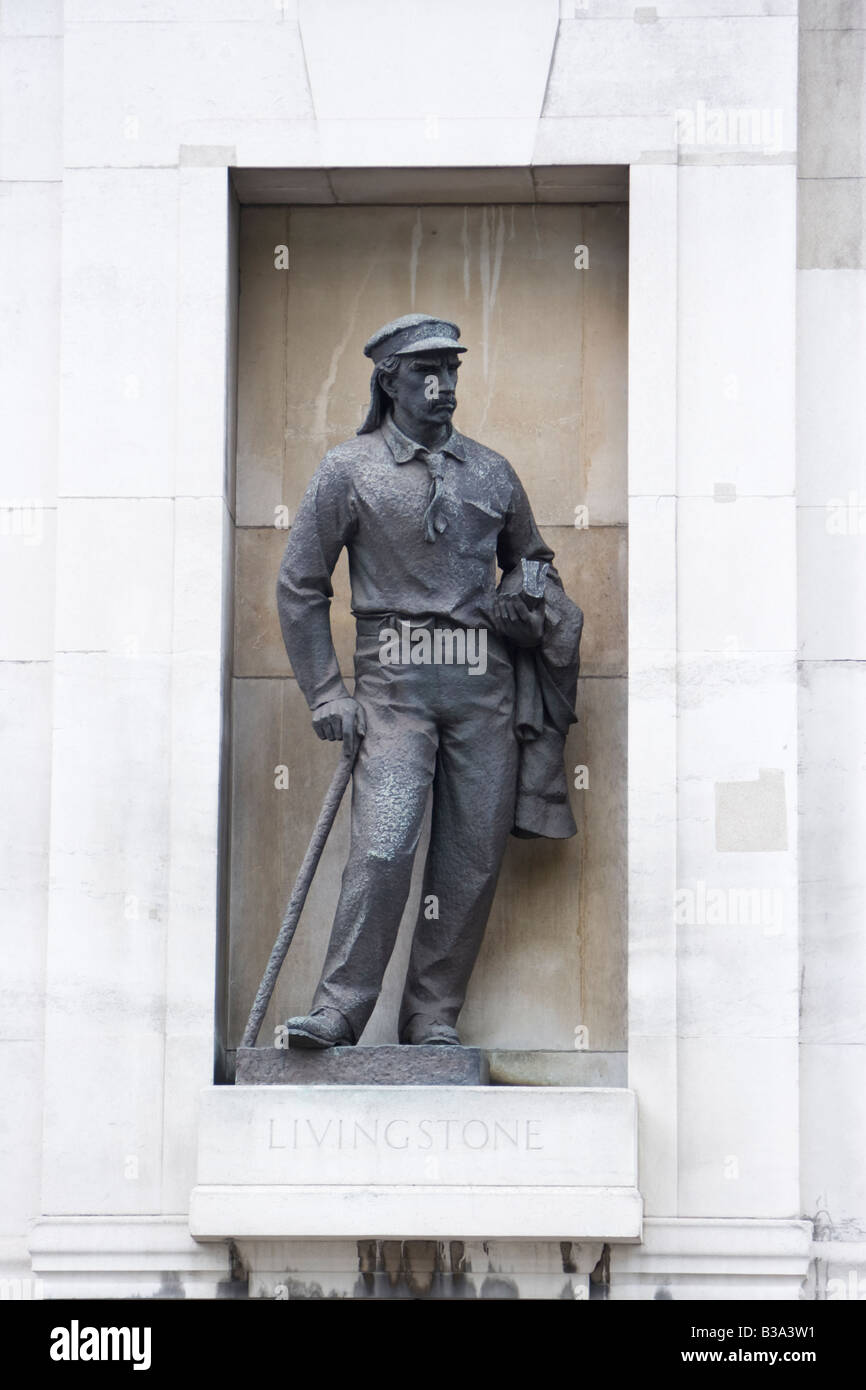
[(380, 401)]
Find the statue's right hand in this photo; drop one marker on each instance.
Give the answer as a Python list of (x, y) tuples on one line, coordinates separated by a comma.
[(343, 719)]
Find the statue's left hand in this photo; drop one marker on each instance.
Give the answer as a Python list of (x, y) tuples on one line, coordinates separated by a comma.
[(514, 619)]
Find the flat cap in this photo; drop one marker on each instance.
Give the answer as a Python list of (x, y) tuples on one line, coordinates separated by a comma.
[(413, 333)]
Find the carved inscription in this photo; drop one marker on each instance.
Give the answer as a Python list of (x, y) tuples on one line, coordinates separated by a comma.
[(420, 1136)]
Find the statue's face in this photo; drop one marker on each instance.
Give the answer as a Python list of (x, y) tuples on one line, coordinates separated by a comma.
[(425, 387)]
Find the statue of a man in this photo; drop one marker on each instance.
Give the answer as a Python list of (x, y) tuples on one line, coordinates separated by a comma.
[(426, 515)]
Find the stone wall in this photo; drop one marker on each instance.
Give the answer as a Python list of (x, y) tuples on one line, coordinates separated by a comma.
[(831, 495)]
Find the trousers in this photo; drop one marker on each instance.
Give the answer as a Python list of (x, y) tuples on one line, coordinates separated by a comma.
[(449, 727)]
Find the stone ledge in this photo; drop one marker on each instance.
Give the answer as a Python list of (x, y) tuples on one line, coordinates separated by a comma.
[(416, 1212), (389, 1065), (507, 1067), (578, 1067), (714, 1258), (127, 1257)]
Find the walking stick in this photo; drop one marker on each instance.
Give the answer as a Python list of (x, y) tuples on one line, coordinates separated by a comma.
[(330, 806)]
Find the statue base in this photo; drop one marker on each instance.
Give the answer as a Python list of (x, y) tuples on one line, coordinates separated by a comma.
[(389, 1065), (415, 1163)]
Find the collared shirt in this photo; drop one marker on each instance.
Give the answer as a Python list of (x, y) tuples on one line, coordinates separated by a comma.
[(403, 448), (370, 494)]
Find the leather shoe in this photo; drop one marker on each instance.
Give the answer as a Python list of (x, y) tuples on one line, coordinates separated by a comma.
[(427, 1032), (322, 1028)]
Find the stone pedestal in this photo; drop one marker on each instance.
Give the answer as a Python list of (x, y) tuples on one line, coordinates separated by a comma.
[(416, 1163), (390, 1065)]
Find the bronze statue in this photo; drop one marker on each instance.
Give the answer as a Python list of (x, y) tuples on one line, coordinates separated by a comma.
[(459, 685)]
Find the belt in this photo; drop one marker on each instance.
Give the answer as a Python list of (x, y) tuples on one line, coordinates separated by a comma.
[(374, 623)]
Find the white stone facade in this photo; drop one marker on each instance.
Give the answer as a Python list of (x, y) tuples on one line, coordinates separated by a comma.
[(128, 132)]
